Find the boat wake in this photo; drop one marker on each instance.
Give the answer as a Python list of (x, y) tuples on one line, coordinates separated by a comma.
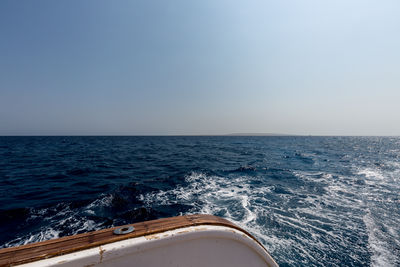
[(322, 211), (310, 201)]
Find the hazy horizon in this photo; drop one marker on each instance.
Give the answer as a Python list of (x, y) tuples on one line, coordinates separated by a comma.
[(300, 67), (199, 135)]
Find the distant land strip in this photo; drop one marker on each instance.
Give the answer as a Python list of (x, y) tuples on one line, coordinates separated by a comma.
[(259, 134)]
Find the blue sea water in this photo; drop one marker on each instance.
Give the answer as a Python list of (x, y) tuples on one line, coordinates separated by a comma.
[(312, 201)]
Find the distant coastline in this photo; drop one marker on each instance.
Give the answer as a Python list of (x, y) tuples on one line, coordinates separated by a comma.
[(259, 134)]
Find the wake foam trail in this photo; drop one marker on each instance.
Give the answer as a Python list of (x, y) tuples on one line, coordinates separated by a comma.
[(44, 234), (61, 220), (208, 194), (382, 255), (379, 196), (320, 215), (234, 198)]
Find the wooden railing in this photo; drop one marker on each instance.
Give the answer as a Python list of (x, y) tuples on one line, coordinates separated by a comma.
[(64, 245)]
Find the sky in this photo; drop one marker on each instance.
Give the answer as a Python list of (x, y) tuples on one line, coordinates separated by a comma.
[(307, 67)]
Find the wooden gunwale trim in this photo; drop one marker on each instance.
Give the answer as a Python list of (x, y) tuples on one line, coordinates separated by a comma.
[(64, 245)]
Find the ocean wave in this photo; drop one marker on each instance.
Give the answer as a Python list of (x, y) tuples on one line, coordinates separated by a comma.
[(229, 198), (379, 196), (311, 222), (310, 201), (247, 205), (245, 169), (42, 235), (57, 221), (382, 253), (371, 173)]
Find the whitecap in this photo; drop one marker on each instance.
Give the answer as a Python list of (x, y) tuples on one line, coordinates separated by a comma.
[(382, 255)]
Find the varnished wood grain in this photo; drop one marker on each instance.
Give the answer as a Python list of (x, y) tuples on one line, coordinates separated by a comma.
[(50, 248)]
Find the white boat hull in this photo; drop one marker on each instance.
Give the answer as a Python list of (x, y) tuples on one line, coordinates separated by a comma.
[(203, 245)]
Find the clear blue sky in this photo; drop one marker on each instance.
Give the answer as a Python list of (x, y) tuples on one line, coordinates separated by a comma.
[(327, 67)]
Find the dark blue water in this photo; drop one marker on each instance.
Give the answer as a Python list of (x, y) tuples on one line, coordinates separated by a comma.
[(316, 201)]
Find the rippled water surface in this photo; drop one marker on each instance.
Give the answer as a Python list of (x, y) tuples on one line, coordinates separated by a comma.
[(316, 201)]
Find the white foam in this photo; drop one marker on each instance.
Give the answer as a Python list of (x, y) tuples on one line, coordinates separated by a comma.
[(103, 201), (371, 173), (317, 213), (381, 192), (57, 219), (44, 234), (381, 254), (231, 197)]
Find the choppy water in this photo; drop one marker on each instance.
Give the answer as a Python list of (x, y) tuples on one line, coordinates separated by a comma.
[(316, 201)]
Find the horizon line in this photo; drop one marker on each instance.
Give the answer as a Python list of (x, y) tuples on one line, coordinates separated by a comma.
[(194, 135)]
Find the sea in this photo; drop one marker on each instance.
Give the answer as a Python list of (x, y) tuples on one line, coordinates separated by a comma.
[(311, 201)]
